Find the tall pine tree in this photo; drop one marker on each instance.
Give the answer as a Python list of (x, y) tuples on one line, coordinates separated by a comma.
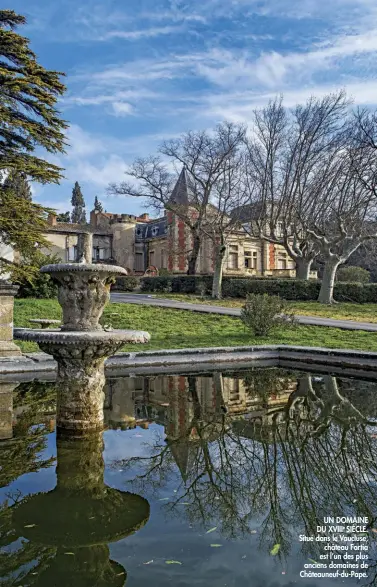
[(78, 213), (97, 205), (29, 120), (17, 182)]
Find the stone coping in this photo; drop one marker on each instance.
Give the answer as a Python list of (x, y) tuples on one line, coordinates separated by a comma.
[(83, 268), (72, 338), (347, 362), (44, 321), (8, 289)]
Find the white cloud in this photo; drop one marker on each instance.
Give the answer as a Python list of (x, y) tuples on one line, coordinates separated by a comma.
[(141, 33), (59, 206), (122, 108), (103, 172), (82, 143), (273, 68), (239, 106)]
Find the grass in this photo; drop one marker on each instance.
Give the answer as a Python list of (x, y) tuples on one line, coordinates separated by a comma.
[(173, 329), (341, 311)]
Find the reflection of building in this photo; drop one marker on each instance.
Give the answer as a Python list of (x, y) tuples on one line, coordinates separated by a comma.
[(136, 242), (6, 410), (175, 401)]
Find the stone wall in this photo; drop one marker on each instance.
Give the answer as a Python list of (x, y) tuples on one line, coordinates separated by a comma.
[(124, 244)]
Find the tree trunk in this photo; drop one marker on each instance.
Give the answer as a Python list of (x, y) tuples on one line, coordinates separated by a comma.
[(303, 268), (328, 279), (218, 273), (193, 258)]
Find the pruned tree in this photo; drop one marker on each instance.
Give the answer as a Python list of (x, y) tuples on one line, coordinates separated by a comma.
[(204, 157), (97, 205), (342, 217), (28, 120), (78, 215), (287, 152)]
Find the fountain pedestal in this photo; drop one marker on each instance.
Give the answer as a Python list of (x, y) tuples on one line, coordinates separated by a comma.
[(81, 372), (81, 345)]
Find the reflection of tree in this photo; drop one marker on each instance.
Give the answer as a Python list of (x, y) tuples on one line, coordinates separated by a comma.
[(22, 454), (290, 467)]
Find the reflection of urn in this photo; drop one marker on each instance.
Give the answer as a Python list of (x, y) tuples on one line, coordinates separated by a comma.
[(79, 517)]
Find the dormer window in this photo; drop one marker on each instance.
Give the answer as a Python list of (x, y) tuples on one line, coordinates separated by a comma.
[(154, 230)]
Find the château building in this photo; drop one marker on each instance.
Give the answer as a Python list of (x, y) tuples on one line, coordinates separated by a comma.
[(139, 242)]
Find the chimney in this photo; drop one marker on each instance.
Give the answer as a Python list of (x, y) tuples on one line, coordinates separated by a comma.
[(145, 217), (93, 218), (51, 219)]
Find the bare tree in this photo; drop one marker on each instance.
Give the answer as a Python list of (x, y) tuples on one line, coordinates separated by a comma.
[(204, 156), (286, 155), (223, 219), (343, 214)]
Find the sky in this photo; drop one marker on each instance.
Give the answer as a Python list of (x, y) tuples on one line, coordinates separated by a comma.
[(141, 71)]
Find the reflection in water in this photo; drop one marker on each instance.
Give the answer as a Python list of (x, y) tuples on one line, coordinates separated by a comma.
[(266, 450), (68, 529)]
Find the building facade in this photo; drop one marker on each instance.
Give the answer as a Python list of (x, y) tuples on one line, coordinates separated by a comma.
[(140, 242)]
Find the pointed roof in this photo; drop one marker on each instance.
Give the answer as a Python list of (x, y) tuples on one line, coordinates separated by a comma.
[(184, 452), (181, 194)]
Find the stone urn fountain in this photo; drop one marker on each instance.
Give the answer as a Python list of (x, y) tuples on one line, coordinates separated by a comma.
[(81, 345), (76, 520)]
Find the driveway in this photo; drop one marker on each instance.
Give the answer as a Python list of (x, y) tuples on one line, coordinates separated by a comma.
[(151, 300)]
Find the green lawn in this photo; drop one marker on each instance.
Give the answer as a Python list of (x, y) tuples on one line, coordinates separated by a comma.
[(172, 329), (342, 311)]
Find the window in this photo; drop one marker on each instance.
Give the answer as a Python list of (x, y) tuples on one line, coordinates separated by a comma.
[(139, 262), (98, 253), (251, 259), (282, 261), (72, 253), (233, 257), (163, 259), (155, 231), (151, 257)]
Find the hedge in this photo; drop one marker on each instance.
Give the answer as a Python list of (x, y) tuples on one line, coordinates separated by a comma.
[(237, 287), (126, 283)]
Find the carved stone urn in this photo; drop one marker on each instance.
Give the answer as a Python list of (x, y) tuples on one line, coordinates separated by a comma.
[(83, 292)]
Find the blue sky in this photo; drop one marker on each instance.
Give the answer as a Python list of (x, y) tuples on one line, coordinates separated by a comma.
[(139, 71)]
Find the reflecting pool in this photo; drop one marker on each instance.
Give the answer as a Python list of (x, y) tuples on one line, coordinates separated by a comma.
[(204, 480)]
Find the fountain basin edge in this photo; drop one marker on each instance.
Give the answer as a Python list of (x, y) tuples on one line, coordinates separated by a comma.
[(350, 362)]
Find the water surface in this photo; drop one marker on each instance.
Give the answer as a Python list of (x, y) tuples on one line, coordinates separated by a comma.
[(204, 481)]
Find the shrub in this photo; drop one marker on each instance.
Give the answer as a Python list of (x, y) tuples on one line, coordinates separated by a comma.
[(263, 313), (126, 283), (353, 274), (40, 285)]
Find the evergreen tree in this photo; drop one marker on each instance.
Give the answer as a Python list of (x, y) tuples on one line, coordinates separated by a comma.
[(97, 205), (29, 120), (78, 214), (17, 182), (63, 217)]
